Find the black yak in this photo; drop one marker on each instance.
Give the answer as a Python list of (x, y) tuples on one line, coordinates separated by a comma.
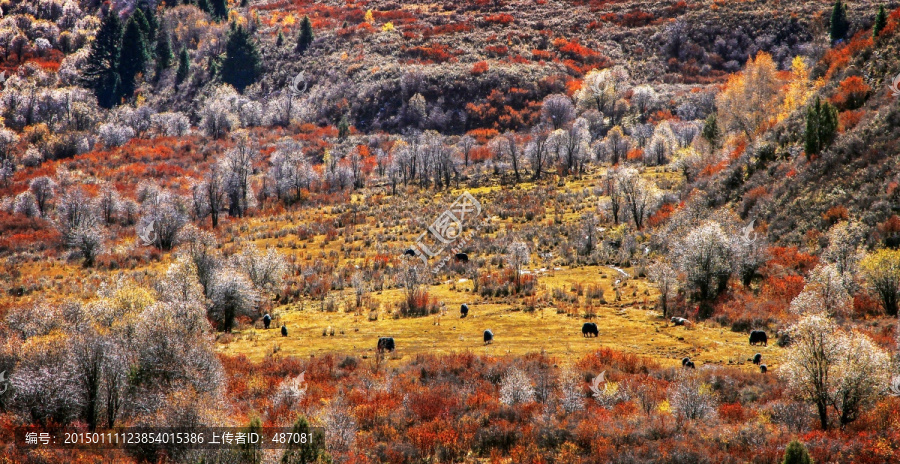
[(589, 329), (684, 361), (690, 364), (283, 330), (757, 358), (463, 310), (462, 257), (488, 337), (267, 319), (385, 344), (410, 252), (758, 337), (763, 369)]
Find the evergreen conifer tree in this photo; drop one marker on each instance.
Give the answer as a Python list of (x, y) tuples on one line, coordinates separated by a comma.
[(821, 126), (184, 66), (839, 26), (135, 54), (101, 72), (305, 39), (164, 55), (241, 66), (880, 22), (796, 453)]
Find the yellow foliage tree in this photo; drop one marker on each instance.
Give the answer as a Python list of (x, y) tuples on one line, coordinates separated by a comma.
[(370, 18), (799, 88), (882, 271), (751, 98)]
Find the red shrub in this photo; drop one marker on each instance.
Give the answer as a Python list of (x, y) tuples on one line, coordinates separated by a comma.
[(501, 18), (851, 93)]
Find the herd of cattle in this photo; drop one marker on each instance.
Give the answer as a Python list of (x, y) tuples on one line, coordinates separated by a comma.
[(588, 329)]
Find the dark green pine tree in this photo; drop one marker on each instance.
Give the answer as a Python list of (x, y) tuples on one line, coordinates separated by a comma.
[(839, 26), (305, 39), (141, 19), (711, 130), (135, 54), (796, 453), (152, 21), (251, 453), (242, 63), (184, 66), (164, 55), (219, 9), (310, 451), (204, 6), (101, 72), (880, 22), (343, 127), (821, 126), (280, 40)]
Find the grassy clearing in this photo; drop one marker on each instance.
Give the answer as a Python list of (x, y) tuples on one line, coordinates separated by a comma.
[(626, 325)]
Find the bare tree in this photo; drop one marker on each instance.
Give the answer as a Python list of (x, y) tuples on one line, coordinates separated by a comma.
[(44, 189), (666, 280), (517, 257), (639, 195), (557, 110)]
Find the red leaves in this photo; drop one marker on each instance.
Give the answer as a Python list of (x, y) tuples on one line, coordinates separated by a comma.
[(501, 18), (851, 93)]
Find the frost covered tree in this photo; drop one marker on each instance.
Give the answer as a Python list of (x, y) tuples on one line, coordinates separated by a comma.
[(108, 203), (571, 392), (824, 293), (557, 110), (830, 368), (217, 114), (164, 214), (704, 257), (666, 279), (615, 146), (266, 269), (518, 256), (233, 295), (603, 88), (692, 398), (237, 166), (44, 189), (639, 196), (516, 387), (643, 99), (340, 425), (661, 146), (26, 205), (200, 247)]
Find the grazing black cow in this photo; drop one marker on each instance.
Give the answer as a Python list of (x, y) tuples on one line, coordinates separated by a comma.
[(757, 358), (267, 320), (684, 361), (763, 369), (589, 329), (410, 252), (690, 364), (283, 330), (488, 337), (679, 320), (463, 310), (385, 344), (759, 337), (462, 257)]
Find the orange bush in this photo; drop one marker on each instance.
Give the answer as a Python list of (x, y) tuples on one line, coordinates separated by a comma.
[(501, 18), (851, 94)]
